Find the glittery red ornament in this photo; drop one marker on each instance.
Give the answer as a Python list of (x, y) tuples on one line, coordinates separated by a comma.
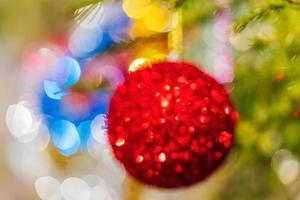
[(170, 124)]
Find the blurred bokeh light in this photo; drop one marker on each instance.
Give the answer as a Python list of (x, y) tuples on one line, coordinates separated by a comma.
[(62, 60)]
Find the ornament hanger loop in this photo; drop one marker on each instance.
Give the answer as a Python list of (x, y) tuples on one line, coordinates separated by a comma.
[(175, 36)]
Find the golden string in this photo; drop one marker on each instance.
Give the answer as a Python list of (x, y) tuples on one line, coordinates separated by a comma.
[(175, 37)]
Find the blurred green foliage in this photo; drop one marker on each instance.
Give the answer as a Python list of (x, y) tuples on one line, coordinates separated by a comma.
[(266, 92)]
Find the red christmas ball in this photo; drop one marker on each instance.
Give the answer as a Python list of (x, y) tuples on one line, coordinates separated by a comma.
[(170, 124)]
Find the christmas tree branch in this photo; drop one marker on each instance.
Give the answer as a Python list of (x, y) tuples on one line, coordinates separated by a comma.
[(295, 2), (293, 49), (262, 13), (257, 15), (180, 3)]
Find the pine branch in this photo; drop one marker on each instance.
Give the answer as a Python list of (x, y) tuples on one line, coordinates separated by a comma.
[(257, 15), (293, 49), (181, 3), (294, 2)]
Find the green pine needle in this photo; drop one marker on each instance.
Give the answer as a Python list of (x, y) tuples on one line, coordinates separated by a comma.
[(257, 15)]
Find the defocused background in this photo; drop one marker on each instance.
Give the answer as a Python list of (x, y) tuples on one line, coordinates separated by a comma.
[(250, 46)]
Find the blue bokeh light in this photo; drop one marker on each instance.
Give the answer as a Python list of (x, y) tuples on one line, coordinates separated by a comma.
[(53, 90), (70, 130), (65, 137), (61, 125), (65, 72), (84, 130)]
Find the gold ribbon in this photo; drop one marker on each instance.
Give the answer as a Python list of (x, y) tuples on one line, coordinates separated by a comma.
[(175, 37)]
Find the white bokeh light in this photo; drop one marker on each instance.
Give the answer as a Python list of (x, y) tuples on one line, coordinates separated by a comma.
[(288, 171), (75, 188), (26, 164), (100, 192), (99, 129), (286, 166), (41, 141), (21, 122), (94, 148), (48, 188), (112, 173)]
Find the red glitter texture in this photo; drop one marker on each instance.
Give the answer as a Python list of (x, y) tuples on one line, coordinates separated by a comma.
[(170, 124)]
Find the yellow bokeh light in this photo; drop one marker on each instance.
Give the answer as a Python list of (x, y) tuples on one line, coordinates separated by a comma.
[(152, 53), (136, 9), (158, 17), (138, 29)]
